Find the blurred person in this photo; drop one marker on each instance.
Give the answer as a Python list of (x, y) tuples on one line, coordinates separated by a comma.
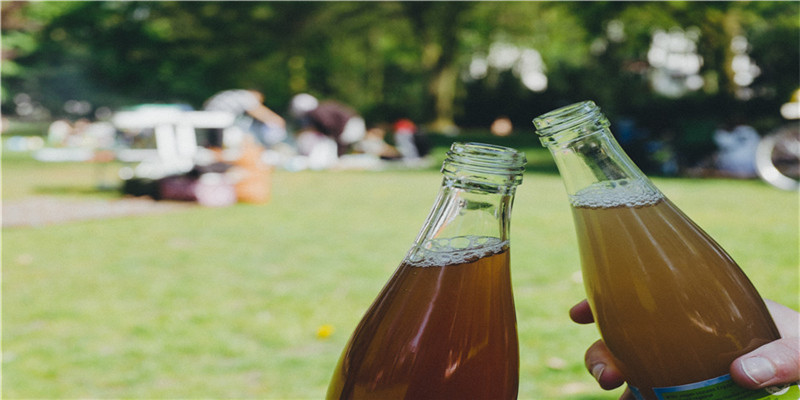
[(321, 152), (409, 140), (331, 119), (404, 131), (736, 155), (299, 108), (374, 144), (58, 131), (76, 136), (252, 116), (252, 177), (774, 363)]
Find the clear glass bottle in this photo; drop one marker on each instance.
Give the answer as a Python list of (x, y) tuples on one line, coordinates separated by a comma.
[(444, 326), (672, 306)]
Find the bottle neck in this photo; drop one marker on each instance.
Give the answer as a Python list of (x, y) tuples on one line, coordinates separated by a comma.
[(478, 167), (586, 153), (473, 207)]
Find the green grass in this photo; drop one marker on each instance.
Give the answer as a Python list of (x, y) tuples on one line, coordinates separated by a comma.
[(226, 302)]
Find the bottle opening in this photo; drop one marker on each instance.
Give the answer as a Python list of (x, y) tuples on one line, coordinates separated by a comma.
[(570, 122), (484, 164)]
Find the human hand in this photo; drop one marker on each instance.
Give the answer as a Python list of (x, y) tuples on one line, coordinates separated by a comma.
[(774, 363), (598, 358)]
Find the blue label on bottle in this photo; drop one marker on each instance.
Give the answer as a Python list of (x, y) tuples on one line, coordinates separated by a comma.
[(722, 388)]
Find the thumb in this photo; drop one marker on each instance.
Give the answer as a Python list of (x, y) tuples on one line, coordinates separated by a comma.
[(774, 363)]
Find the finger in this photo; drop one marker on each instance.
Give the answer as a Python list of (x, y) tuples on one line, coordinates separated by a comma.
[(581, 313), (600, 364), (774, 363)]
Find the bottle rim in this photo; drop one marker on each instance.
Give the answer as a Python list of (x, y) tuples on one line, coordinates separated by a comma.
[(484, 163), (572, 121)]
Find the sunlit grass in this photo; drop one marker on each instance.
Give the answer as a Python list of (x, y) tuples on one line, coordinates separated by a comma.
[(228, 302)]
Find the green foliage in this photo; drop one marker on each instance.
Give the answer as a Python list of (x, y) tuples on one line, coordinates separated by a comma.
[(389, 59)]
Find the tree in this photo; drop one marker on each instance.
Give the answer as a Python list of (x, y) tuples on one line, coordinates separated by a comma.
[(436, 25), (395, 59)]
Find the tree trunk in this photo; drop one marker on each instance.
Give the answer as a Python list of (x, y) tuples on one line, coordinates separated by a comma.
[(436, 24)]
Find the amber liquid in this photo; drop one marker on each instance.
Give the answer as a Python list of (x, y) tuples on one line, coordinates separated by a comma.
[(670, 304), (436, 332)]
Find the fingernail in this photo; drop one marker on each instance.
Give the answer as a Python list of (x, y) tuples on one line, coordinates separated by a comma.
[(597, 371), (758, 369)]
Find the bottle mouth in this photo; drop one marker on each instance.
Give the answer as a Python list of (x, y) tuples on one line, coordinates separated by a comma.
[(570, 122), (484, 164)]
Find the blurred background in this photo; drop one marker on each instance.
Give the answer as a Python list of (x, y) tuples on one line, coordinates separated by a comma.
[(110, 293), (668, 73)]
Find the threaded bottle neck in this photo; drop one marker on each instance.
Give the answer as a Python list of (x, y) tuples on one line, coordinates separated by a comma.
[(587, 155), (483, 167), (566, 124)]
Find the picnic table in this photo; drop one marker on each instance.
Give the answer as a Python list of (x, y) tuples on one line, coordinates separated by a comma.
[(175, 133)]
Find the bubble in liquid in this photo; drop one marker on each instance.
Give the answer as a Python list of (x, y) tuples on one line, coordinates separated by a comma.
[(621, 193), (458, 250)]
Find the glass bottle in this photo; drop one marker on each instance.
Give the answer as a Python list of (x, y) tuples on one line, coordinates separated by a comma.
[(672, 306), (444, 326)]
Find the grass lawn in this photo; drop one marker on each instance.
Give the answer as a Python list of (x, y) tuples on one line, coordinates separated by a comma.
[(229, 302)]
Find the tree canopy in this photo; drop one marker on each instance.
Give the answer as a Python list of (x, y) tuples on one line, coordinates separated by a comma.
[(440, 63)]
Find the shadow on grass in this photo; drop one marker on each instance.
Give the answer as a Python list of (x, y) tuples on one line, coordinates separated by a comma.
[(66, 190)]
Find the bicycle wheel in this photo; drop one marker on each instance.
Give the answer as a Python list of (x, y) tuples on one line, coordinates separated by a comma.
[(778, 158)]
